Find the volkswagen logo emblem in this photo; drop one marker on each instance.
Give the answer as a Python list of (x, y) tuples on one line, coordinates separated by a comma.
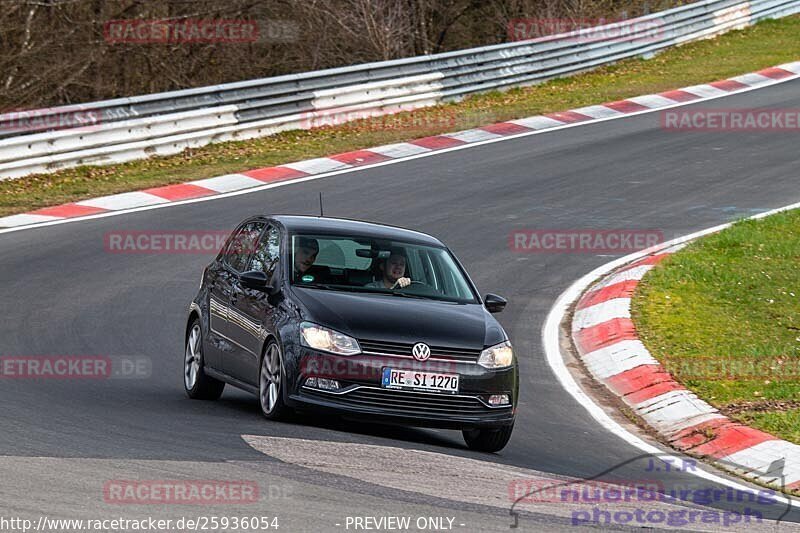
[(421, 351)]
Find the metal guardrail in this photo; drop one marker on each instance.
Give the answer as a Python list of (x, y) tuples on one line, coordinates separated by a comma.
[(167, 123)]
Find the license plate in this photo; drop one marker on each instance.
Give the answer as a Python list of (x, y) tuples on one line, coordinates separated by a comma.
[(412, 379)]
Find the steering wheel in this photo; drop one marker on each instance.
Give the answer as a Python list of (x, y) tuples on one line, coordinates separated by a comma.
[(412, 283)]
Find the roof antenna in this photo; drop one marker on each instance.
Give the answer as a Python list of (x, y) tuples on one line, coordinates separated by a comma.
[(320, 204)]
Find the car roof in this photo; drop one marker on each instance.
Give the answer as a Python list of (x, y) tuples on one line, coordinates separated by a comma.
[(344, 226)]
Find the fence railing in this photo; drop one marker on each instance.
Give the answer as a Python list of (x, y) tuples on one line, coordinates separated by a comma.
[(124, 129)]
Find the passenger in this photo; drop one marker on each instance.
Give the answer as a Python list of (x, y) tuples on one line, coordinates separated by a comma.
[(392, 272), (305, 254)]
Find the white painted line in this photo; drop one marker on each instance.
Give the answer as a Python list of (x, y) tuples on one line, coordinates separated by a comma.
[(317, 166), (704, 91), (597, 111), (399, 150), (24, 219), (653, 101), (537, 123), (228, 183), (617, 358), (429, 153), (471, 136), (602, 312), (126, 200), (674, 248), (551, 339)]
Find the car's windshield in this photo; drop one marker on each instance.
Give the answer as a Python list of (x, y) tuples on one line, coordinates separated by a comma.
[(365, 264)]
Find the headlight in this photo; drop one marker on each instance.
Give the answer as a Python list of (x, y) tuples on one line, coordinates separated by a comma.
[(327, 340), (498, 356)]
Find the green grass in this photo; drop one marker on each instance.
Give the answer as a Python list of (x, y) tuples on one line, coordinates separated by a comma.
[(723, 315), (764, 45), (785, 424)]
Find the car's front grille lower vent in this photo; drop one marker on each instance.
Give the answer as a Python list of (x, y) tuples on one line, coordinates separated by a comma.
[(409, 402)]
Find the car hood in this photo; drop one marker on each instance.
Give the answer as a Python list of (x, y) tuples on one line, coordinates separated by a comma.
[(381, 317)]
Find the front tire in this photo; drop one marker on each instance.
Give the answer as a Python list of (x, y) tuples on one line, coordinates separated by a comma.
[(270, 383), (197, 384), (488, 440)]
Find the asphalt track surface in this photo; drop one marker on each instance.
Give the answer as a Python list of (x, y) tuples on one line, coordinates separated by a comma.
[(63, 294)]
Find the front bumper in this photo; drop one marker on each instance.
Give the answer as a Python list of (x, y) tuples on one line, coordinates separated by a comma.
[(361, 395)]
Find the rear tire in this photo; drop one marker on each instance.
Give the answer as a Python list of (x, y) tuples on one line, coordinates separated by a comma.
[(197, 384), (488, 440)]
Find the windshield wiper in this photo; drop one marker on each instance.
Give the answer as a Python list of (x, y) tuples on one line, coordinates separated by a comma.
[(316, 286), (407, 295), (361, 289), (390, 292)]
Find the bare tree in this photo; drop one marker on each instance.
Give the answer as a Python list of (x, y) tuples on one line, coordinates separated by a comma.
[(58, 51)]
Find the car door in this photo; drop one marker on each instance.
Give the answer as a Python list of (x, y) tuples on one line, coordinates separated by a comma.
[(252, 312), (227, 290), (219, 278)]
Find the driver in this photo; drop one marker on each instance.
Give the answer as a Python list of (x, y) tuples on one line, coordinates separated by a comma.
[(392, 272), (304, 256)]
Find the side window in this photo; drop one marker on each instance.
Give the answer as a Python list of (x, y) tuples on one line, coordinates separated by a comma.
[(242, 244), (267, 253)]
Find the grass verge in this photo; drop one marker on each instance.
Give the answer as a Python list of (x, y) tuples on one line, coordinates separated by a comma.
[(766, 44), (723, 316)]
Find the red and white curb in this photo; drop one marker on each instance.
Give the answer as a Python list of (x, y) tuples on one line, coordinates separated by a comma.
[(606, 340), (257, 179)]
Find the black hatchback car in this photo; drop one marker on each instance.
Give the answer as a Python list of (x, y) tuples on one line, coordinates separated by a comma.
[(365, 320)]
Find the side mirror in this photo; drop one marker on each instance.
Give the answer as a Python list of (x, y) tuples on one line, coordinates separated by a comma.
[(256, 280), (494, 303)]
